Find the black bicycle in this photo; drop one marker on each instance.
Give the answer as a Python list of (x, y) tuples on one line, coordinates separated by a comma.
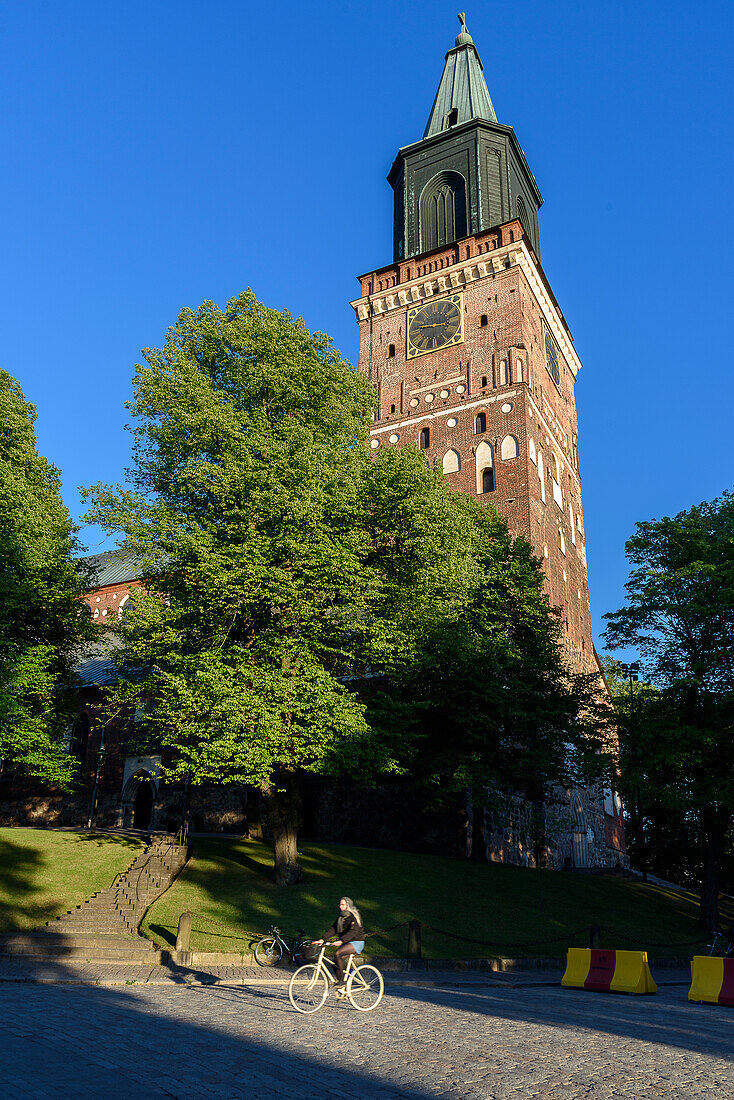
[(726, 948), (271, 948)]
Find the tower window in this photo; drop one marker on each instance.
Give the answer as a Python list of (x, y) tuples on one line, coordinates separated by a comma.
[(488, 480), (451, 462), (484, 380), (392, 408), (480, 424), (483, 321), (442, 210), (510, 447), (452, 118), (391, 351), (424, 440)]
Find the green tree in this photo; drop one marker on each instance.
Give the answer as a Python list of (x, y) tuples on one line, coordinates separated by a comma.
[(680, 618), (41, 624), (478, 686), (249, 439), (286, 572)]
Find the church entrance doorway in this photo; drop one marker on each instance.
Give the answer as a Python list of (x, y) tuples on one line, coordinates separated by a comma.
[(143, 805), (138, 800)]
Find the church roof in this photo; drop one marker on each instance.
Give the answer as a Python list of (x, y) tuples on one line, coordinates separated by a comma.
[(113, 567), (463, 88)]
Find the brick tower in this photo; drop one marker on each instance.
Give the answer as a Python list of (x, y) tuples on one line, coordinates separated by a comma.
[(473, 359)]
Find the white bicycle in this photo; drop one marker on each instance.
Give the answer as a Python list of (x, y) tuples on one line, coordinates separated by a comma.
[(309, 986)]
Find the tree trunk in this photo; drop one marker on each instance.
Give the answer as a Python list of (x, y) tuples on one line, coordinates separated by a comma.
[(254, 821), (708, 914), (284, 817), (466, 830)]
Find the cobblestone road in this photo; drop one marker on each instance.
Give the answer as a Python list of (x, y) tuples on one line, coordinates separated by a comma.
[(231, 1042)]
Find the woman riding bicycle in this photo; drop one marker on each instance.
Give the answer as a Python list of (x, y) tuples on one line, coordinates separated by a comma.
[(349, 931)]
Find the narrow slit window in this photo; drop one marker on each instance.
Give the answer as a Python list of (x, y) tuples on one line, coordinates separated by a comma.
[(391, 351), (480, 425), (484, 381), (424, 440)]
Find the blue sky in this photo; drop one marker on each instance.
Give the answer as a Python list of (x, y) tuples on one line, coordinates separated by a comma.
[(159, 154)]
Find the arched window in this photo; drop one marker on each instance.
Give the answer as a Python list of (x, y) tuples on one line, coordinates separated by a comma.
[(391, 351), (78, 736), (480, 424), (126, 606), (442, 210), (510, 447), (540, 475), (503, 373), (580, 840), (451, 462), (424, 440), (485, 468)]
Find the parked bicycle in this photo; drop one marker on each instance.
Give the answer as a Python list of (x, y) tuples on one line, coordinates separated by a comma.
[(727, 945), (309, 986), (271, 948)]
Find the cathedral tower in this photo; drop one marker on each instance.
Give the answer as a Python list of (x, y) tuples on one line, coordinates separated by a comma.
[(468, 347)]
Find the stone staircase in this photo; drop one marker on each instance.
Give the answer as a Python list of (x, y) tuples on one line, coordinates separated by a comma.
[(105, 928)]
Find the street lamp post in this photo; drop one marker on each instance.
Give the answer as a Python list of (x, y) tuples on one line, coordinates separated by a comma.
[(98, 773)]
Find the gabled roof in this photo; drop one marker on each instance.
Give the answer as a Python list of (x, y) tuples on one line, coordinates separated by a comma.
[(95, 662), (463, 88), (113, 567)]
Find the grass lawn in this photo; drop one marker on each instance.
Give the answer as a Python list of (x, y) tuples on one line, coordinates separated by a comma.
[(230, 881), (44, 873)]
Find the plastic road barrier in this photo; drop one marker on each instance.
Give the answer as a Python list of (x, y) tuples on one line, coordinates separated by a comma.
[(608, 971), (712, 980)]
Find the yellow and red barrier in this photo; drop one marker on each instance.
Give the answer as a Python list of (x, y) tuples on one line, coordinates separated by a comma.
[(712, 980), (608, 971)]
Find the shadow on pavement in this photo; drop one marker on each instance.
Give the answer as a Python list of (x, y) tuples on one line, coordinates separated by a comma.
[(666, 1018), (173, 1041)]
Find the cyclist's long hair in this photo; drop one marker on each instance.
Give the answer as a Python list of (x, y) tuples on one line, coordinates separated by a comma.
[(352, 908)]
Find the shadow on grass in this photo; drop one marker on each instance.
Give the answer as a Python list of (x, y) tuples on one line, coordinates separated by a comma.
[(19, 872), (42, 875), (100, 840), (165, 934)]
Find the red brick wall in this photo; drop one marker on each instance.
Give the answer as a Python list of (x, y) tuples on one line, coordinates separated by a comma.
[(499, 364)]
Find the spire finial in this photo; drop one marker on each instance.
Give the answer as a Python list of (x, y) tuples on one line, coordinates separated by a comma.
[(463, 38)]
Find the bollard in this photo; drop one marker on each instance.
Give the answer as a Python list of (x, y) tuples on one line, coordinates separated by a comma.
[(183, 938), (414, 939), (595, 937)]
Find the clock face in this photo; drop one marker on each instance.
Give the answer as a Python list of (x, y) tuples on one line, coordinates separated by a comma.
[(435, 325)]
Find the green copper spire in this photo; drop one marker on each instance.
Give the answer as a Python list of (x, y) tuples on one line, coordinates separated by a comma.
[(462, 94)]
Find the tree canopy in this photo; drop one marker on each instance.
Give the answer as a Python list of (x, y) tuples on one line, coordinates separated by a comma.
[(678, 735), (290, 579), (41, 620)]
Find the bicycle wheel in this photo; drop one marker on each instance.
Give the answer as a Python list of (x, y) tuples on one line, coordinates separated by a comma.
[(268, 952), (365, 988), (308, 988)]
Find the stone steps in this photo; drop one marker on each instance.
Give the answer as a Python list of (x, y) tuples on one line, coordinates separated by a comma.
[(94, 946), (105, 927)]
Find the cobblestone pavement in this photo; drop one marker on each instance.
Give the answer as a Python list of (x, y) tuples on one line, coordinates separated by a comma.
[(493, 1042)]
